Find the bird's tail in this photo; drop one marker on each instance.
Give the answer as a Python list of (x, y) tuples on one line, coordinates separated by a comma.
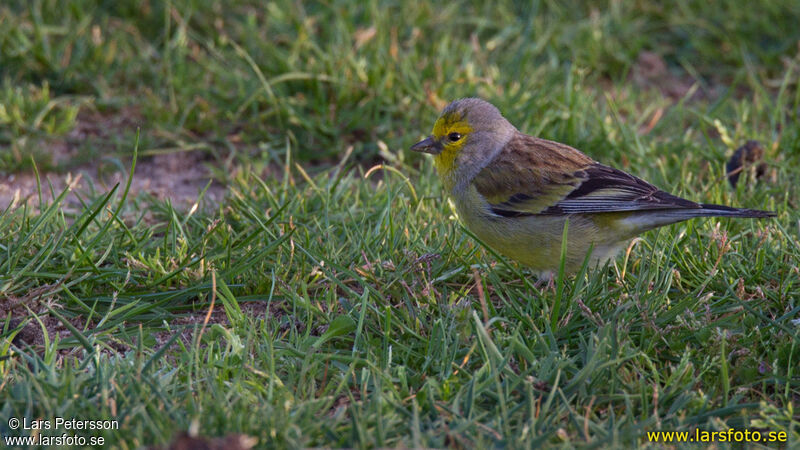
[(709, 210), (647, 220)]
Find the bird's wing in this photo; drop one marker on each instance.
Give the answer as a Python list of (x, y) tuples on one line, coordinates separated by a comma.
[(536, 176)]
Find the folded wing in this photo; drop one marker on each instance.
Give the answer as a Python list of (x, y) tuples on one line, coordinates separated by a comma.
[(536, 176)]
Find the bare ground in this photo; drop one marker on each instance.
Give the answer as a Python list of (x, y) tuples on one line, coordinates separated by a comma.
[(178, 176)]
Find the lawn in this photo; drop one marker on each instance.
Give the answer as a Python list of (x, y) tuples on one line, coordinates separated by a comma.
[(210, 223)]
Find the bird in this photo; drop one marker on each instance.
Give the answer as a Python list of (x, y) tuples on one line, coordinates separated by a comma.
[(517, 192)]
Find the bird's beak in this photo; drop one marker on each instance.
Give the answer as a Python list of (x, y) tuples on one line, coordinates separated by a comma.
[(428, 145)]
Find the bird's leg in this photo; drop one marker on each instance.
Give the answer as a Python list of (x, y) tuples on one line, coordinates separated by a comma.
[(546, 281)]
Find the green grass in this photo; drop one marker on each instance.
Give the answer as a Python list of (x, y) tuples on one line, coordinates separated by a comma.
[(351, 309)]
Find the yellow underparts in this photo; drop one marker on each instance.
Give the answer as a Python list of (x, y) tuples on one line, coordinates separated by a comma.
[(535, 240)]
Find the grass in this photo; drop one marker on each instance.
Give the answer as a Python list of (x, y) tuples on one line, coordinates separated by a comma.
[(350, 308)]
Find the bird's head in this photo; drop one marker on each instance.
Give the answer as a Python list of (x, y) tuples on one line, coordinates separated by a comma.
[(468, 132)]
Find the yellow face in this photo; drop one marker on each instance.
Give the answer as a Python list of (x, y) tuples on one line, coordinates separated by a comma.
[(451, 132)]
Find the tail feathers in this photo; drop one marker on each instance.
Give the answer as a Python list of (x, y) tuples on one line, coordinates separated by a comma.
[(708, 210), (650, 219)]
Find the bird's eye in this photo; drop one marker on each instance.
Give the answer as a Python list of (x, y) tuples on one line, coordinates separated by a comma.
[(454, 136)]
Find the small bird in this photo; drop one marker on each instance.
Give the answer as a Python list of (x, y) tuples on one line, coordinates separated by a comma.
[(747, 156), (516, 192)]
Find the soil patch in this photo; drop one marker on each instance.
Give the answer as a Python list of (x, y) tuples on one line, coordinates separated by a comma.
[(179, 176)]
